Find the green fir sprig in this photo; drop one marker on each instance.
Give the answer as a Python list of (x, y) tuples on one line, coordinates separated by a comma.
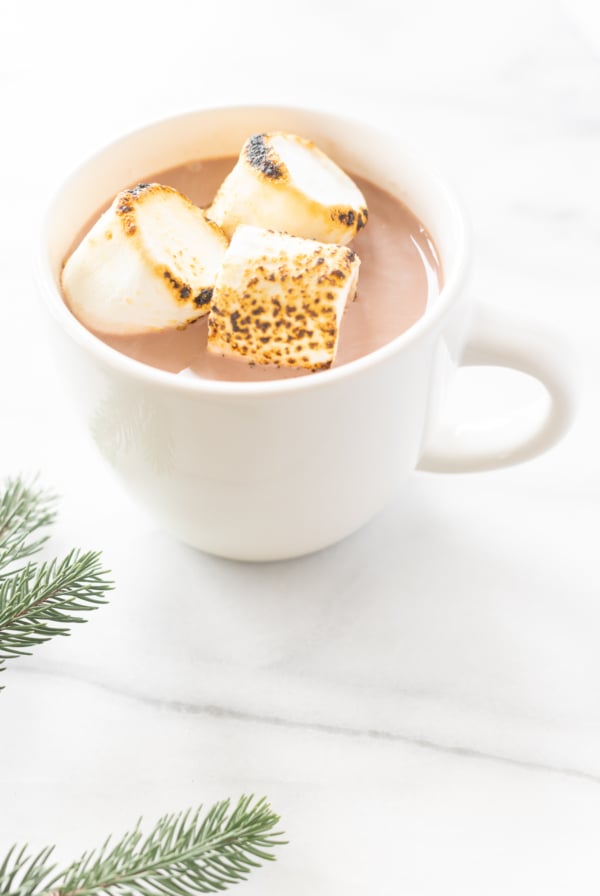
[(184, 854), (40, 600)]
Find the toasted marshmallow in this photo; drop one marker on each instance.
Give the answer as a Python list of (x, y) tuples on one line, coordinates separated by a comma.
[(286, 183), (148, 263), (279, 299)]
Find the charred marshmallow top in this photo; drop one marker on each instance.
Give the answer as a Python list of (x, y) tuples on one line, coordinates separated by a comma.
[(148, 263), (279, 299), (284, 182)]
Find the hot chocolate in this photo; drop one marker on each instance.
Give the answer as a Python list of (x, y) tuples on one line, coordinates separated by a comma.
[(400, 274)]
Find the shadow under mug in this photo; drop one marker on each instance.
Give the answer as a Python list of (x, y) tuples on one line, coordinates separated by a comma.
[(271, 470)]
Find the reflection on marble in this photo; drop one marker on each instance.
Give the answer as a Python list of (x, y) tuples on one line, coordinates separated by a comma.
[(422, 701)]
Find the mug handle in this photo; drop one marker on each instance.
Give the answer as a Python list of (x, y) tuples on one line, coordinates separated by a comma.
[(499, 338)]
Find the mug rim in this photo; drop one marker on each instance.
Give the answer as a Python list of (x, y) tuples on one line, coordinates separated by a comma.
[(140, 371)]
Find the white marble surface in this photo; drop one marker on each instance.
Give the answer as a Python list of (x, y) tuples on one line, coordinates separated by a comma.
[(422, 702)]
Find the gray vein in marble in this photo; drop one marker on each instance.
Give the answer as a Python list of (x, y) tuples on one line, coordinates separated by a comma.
[(237, 715)]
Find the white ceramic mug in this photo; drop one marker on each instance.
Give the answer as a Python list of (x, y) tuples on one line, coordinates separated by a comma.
[(269, 470)]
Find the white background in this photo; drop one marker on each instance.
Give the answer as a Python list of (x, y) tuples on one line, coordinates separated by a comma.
[(422, 702)]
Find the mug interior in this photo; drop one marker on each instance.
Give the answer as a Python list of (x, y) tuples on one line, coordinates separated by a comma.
[(213, 133)]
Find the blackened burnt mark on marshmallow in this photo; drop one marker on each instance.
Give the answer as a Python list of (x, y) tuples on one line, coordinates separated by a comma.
[(125, 208), (363, 217), (239, 324), (182, 290), (171, 279), (203, 297), (127, 196), (139, 189), (261, 157), (347, 218)]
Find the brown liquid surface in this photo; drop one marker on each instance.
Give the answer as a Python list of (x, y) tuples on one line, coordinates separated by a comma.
[(399, 275)]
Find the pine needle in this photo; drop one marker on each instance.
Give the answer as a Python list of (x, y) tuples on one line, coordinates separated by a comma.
[(24, 510), (25, 875)]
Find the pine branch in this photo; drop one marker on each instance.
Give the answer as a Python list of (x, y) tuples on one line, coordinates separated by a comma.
[(39, 601), (183, 855)]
